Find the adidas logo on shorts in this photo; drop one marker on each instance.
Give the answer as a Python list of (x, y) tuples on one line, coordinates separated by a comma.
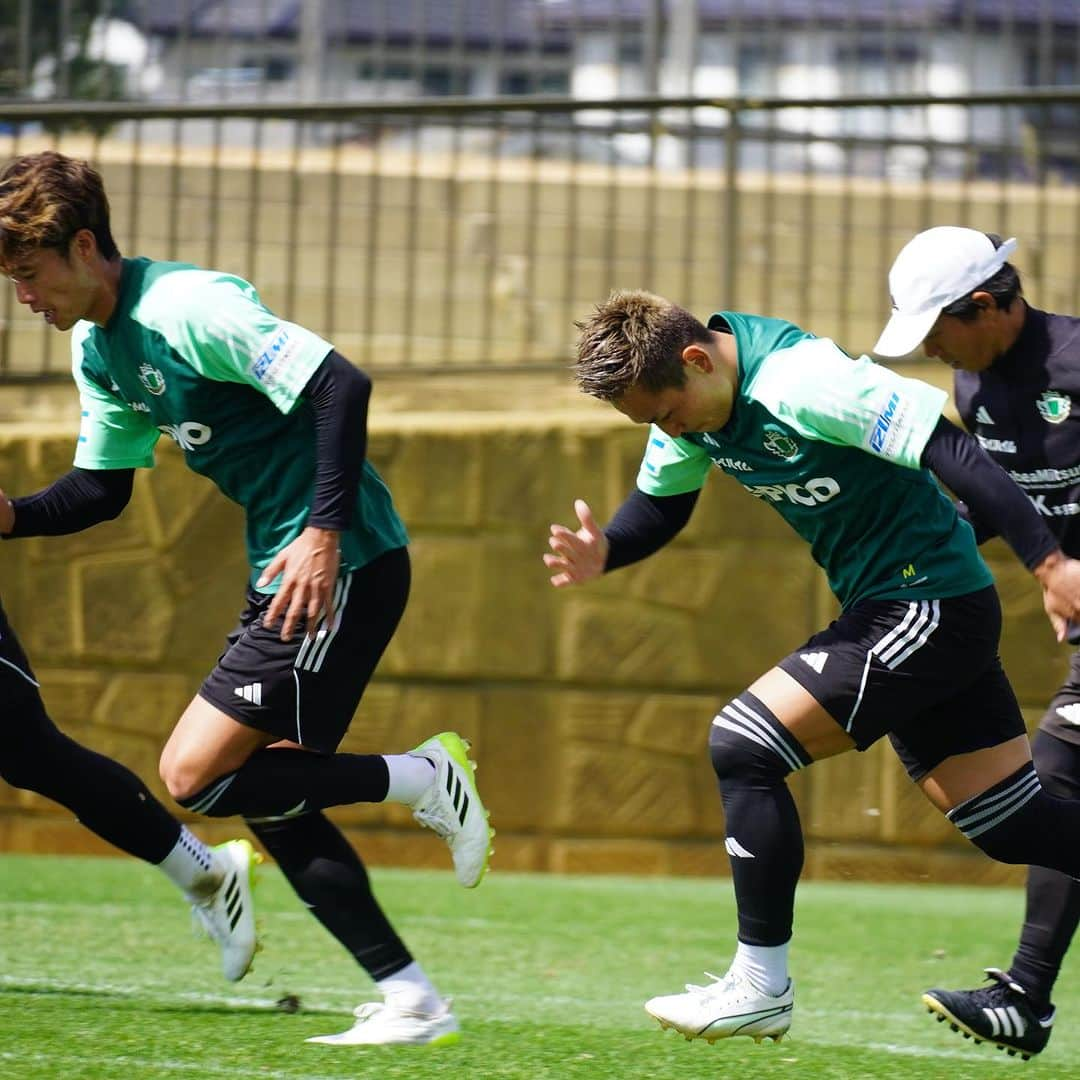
[(252, 692), (816, 660), (1069, 713)]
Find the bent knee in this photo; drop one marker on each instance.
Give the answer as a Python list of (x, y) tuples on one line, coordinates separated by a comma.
[(181, 773)]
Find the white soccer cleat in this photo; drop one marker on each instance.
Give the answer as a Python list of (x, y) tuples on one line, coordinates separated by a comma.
[(728, 1006), (385, 1024), (452, 808), (228, 914)]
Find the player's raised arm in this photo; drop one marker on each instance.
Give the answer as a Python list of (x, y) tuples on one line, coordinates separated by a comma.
[(642, 524)]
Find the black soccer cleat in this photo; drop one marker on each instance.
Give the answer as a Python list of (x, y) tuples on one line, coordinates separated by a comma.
[(1000, 1014)]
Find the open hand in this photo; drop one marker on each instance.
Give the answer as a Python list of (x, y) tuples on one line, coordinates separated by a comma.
[(578, 556)]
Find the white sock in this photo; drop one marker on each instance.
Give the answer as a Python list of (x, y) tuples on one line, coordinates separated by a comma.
[(410, 777), (190, 866), (411, 989), (765, 967)]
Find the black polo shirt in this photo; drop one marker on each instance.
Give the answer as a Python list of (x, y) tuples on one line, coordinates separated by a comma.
[(1025, 411)]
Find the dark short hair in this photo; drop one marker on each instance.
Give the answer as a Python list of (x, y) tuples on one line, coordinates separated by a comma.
[(1004, 287), (634, 339), (45, 199)]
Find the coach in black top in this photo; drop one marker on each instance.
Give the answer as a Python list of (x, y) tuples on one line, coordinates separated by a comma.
[(1017, 373)]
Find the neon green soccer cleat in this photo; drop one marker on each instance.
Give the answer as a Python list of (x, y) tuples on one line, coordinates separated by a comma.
[(452, 808), (228, 914)]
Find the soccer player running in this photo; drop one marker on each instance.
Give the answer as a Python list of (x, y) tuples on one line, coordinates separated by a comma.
[(111, 801), (1017, 372), (278, 420), (847, 452)]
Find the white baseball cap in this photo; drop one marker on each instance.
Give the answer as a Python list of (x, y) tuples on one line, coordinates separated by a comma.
[(934, 269)]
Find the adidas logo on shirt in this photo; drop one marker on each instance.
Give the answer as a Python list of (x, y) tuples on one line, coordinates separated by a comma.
[(252, 692), (982, 416), (1069, 713), (816, 660)]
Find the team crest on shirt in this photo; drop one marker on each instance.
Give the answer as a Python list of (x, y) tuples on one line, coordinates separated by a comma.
[(1054, 406), (152, 379), (779, 443)]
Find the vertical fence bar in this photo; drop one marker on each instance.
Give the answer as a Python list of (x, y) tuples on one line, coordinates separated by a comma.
[(491, 280), (134, 187), (410, 315), (213, 250), (571, 251), (332, 241), (451, 238), (527, 299), (254, 193), (373, 208), (63, 64), (732, 144), (648, 261), (172, 239), (292, 253), (23, 52)]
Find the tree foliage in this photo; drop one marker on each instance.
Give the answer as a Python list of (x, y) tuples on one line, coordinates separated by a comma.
[(33, 29)]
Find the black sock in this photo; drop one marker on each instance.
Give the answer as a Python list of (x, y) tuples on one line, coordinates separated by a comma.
[(329, 877), (1053, 899), (106, 797), (752, 753), (1053, 911), (275, 782), (765, 849)]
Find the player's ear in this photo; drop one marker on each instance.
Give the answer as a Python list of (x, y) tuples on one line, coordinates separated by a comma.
[(83, 244), (697, 356), (983, 299)]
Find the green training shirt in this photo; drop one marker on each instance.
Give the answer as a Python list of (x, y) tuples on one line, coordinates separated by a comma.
[(195, 354), (833, 444)]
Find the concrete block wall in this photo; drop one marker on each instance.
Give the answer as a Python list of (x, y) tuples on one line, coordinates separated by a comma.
[(588, 709)]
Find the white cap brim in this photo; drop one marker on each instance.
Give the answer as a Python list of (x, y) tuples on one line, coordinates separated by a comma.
[(903, 334)]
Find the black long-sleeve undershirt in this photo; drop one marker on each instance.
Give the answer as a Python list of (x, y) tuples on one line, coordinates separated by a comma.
[(339, 394), (988, 491), (644, 524), (73, 502)]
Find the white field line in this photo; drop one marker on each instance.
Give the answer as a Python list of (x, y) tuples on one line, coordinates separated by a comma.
[(156, 1066), (159, 994)]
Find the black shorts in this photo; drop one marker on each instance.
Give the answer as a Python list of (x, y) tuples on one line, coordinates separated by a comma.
[(1062, 717), (308, 688), (924, 672)]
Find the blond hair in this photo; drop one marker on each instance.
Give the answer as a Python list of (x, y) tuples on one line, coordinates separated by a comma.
[(45, 199), (634, 339)]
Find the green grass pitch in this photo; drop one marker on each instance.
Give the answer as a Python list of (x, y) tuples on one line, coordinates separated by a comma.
[(101, 978)]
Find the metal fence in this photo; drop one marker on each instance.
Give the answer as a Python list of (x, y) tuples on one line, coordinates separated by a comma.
[(467, 233)]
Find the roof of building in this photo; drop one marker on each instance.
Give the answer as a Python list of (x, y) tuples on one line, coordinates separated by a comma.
[(512, 24)]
